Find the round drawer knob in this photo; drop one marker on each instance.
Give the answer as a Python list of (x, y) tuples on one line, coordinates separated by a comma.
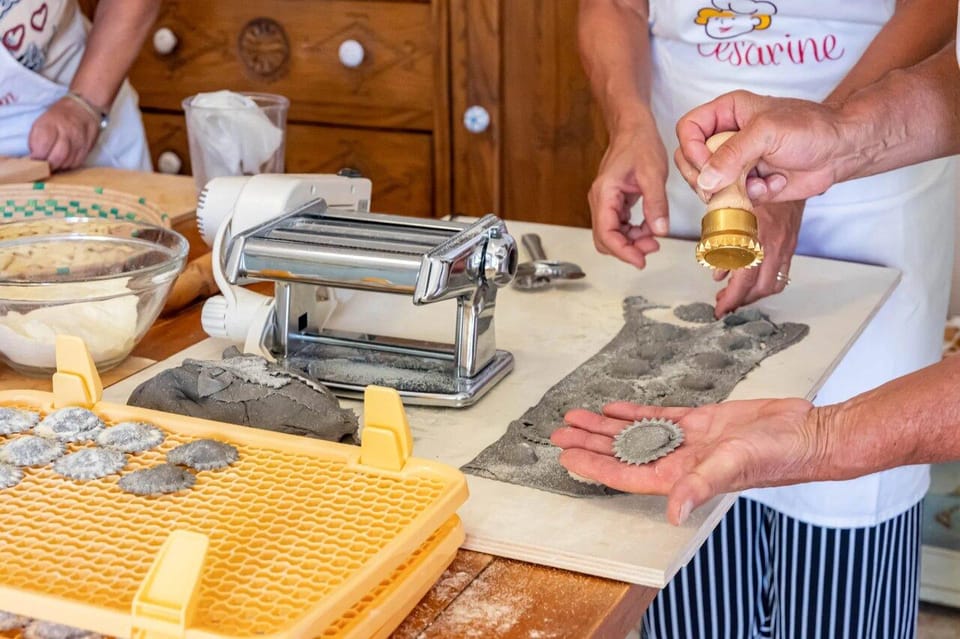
[(169, 162), (164, 41), (351, 54), (476, 119)]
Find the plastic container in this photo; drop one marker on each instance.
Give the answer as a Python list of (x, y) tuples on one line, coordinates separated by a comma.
[(104, 280), (297, 539), (228, 137)]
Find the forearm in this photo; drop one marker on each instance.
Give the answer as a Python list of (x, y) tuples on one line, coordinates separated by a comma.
[(119, 29), (615, 48), (909, 116), (911, 420), (908, 38)]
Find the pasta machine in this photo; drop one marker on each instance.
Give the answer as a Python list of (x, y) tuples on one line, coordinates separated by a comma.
[(313, 234)]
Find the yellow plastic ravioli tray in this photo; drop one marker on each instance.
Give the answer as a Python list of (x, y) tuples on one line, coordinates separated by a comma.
[(298, 538), (384, 608)]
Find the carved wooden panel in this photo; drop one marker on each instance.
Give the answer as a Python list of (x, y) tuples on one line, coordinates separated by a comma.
[(264, 48), (425, 63), (241, 46), (553, 131), (538, 157), (400, 164)]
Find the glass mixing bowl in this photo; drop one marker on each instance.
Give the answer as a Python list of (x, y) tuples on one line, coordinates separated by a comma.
[(104, 281)]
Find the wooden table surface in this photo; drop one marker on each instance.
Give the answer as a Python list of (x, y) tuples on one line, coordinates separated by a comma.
[(479, 595)]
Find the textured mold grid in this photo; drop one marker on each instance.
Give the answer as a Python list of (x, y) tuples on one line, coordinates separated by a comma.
[(286, 532), (416, 565), (444, 541)]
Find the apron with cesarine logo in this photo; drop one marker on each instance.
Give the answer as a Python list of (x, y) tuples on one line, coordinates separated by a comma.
[(31, 81), (902, 219)]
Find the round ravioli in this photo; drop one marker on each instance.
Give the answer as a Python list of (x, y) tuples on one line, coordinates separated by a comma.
[(14, 420), (203, 454), (90, 463), (72, 424), (131, 437), (31, 450), (157, 480)]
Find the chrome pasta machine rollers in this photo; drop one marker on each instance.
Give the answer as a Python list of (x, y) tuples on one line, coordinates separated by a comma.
[(313, 234)]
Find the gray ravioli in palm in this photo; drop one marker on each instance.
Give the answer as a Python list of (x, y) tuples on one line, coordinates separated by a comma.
[(647, 440), (690, 365)]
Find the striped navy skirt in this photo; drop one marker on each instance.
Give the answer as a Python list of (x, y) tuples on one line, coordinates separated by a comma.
[(764, 574)]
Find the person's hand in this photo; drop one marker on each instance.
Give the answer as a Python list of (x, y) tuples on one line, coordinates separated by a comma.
[(64, 135), (727, 447), (634, 165), (796, 148), (779, 227)]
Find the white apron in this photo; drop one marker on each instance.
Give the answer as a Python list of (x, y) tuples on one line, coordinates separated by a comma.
[(25, 96), (902, 219)]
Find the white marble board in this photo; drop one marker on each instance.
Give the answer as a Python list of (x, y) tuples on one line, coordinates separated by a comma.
[(550, 333)]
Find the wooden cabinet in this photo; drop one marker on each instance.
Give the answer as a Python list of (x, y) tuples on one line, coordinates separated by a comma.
[(538, 158), (464, 106)]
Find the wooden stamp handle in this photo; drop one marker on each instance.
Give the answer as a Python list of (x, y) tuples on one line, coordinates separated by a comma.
[(729, 237), (733, 196)]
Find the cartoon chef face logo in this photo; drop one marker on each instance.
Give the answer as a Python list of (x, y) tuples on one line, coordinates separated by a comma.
[(734, 18)]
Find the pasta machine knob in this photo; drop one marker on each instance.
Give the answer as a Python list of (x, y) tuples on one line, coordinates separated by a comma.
[(500, 258)]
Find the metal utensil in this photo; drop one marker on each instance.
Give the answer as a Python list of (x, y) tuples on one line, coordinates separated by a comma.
[(541, 272)]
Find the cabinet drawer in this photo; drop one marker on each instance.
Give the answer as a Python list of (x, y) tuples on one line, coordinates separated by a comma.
[(399, 164), (291, 47)]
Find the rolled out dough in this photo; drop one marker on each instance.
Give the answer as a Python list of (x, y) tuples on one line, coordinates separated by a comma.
[(648, 362)]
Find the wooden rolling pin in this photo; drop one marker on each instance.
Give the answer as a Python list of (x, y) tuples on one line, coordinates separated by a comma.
[(728, 232), (196, 282)]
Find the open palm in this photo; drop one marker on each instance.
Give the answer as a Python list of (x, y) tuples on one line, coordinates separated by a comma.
[(727, 447)]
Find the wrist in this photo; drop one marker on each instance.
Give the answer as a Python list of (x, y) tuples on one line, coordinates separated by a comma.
[(631, 118), (100, 116), (861, 141), (823, 448)]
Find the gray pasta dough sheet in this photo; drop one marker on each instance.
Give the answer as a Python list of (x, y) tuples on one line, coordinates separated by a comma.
[(695, 362)]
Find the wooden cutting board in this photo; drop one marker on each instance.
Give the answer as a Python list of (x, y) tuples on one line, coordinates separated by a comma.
[(13, 170), (176, 195), (12, 380), (550, 333)]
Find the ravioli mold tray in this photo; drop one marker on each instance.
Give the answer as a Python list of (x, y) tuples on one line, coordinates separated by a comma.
[(299, 538)]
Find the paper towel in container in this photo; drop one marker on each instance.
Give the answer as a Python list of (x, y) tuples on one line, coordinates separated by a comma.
[(235, 134)]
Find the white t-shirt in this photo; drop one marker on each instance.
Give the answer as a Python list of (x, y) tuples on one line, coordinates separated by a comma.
[(29, 30), (792, 48)]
